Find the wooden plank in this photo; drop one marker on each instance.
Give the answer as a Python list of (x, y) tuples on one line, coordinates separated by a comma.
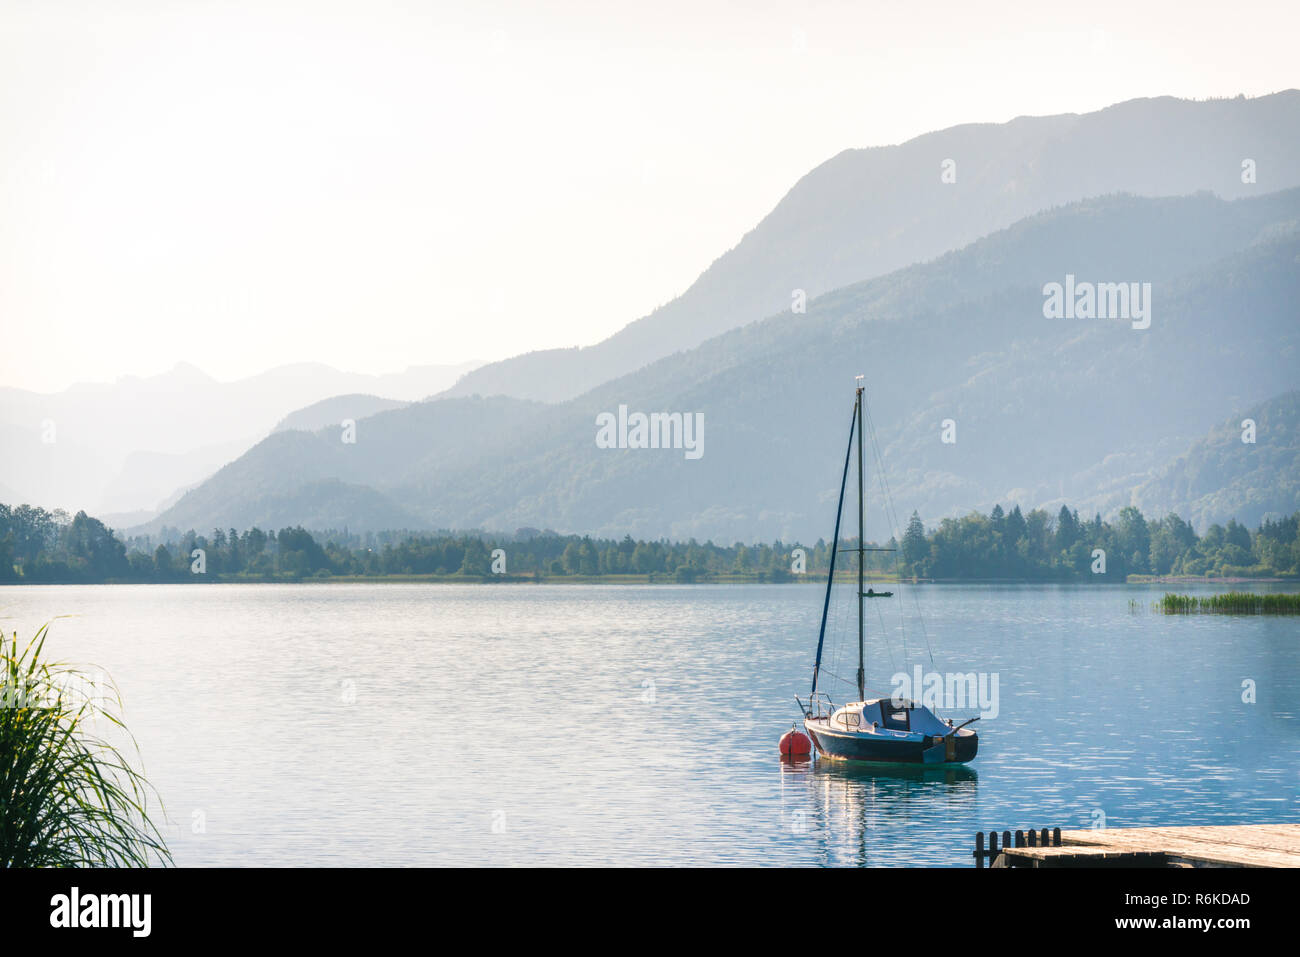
[(1078, 850), (1078, 855), (1273, 839), (1288, 833), (1255, 845), (1215, 854)]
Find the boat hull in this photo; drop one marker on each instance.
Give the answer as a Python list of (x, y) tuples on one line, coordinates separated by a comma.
[(878, 750)]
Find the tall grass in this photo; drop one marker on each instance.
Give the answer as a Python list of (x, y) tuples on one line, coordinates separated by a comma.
[(68, 798), (1230, 603)]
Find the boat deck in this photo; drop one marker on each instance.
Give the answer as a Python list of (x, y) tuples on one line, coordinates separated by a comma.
[(1254, 845)]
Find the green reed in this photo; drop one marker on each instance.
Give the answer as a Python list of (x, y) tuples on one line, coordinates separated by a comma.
[(68, 798), (1231, 603)]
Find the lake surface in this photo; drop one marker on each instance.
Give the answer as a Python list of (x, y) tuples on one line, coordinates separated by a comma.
[(411, 724)]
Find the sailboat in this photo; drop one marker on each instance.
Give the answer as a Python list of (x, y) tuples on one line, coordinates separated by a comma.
[(878, 730)]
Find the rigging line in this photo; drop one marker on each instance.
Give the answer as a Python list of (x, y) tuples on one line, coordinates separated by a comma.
[(836, 633), (835, 542), (840, 627), (889, 498), (844, 617), (890, 508), (891, 516), (842, 613), (883, 635), (852, 684)]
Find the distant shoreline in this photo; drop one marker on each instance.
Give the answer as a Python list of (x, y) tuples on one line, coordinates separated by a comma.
[(659, 579)]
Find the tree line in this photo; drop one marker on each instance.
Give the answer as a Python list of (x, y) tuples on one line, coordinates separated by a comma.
[(1042, 547), (41, 546)]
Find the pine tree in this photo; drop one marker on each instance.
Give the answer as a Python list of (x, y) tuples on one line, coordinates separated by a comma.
[(914, 549)]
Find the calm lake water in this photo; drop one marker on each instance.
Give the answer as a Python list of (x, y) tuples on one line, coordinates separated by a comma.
[(435, 724)]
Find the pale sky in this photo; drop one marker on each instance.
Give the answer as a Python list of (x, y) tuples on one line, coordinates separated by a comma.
[(380, 184)]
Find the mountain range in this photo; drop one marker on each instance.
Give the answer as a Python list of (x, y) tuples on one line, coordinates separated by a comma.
[(867, 212), (927, 267), (1044, 410), (135, 444)]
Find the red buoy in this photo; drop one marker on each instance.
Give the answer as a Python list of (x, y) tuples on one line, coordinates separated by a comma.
[(795, 743)]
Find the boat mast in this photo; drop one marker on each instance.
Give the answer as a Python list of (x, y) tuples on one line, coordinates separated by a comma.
[(835, 543), (862, 553)]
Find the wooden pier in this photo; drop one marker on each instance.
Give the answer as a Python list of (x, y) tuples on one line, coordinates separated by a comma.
[(1255, 845)]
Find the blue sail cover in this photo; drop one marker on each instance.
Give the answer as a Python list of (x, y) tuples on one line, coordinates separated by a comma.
[(917, 717)]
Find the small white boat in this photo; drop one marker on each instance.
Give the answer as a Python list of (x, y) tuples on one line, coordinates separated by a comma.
[(887, 730), (879, 730)]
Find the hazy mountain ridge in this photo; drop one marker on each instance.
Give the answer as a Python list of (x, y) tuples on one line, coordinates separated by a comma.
[(390, 448), (87, 446), (867, 212), (1222, 477), (335, 410), (962, 337)]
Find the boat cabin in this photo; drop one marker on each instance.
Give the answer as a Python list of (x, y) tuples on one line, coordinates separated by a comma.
[(889, 715)]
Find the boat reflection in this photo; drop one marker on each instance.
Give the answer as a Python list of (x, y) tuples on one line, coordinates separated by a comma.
[(842, 805), (928, 773)]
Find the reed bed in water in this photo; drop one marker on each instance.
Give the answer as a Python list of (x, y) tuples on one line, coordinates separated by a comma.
[(1230, 603)]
